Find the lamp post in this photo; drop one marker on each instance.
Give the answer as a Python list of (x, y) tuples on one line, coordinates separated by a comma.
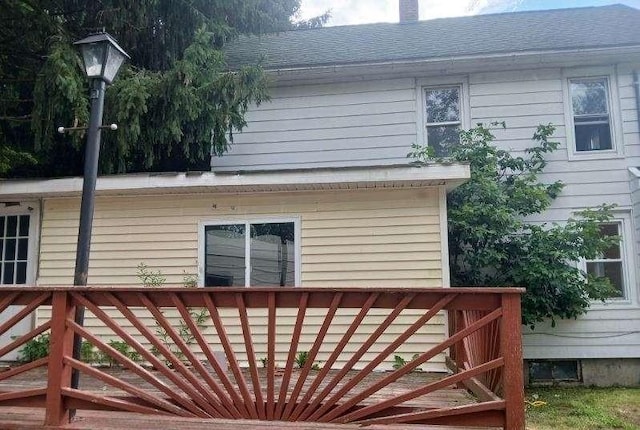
[(102, 58)]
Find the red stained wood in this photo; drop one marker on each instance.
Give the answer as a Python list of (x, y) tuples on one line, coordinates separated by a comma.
[(25, 338), (334, 356), (295, 339), (60, 346), (511, 349), (251, 355), (223, 407), (20, 315), (271, 354), (311, 413), (331, 313), (249, 404), (126, 362), (481, 343)]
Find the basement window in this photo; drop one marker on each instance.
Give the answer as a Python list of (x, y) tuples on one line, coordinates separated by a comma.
[(554, 371)]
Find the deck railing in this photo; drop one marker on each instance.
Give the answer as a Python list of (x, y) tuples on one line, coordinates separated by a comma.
[(175, 369)]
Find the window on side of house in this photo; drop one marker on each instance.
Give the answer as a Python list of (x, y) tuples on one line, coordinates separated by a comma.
[(14, 248), (590, 104), (442, 118), (250, 254), (611, 263)]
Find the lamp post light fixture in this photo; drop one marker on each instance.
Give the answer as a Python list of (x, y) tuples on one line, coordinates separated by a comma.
[(102, 58)]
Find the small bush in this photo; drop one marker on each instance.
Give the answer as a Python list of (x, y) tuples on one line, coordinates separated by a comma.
[(35, 349)]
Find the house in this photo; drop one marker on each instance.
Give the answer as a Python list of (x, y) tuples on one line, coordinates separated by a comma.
[(318, 191), (360, 95)]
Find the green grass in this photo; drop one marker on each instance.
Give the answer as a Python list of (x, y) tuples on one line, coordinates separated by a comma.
[(583, 408)]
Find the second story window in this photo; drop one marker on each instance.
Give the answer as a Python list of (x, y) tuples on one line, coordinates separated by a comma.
[(442, 118), (591, 114)]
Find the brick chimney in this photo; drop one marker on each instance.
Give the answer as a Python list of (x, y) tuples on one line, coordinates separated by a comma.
[(408, 11)]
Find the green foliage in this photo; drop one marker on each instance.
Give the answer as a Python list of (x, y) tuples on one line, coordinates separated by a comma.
[(175, 102), (149, 278), (199, 316), (399, 362), (264, 361), (491, 243), (124, 349), (301, 358), (35, 349), (88, 353)]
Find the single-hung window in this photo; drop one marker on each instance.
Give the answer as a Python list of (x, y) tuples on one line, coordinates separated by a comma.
[(591, 114), (443, 119), (250, 253), (611, 263)]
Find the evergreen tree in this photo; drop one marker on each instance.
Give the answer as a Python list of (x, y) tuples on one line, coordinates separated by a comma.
[(174, 103)]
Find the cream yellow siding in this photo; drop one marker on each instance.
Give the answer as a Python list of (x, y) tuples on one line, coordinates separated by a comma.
[(372, 238)]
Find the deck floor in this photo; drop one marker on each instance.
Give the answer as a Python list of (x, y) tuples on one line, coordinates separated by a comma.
[(15, 418)]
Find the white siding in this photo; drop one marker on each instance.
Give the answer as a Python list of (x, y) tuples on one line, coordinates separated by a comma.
[(330, 125), (374, 122), (525, 99)]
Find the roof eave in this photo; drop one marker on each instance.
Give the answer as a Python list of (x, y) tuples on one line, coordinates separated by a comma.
[(467, 63), (447, 175)]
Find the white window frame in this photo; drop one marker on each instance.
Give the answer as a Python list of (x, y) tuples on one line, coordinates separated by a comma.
[(247, 255), (613, 103), (27, 208), (627, 254), (462, 82)]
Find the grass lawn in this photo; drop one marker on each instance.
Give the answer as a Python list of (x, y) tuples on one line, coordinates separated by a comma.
[(583, 408)]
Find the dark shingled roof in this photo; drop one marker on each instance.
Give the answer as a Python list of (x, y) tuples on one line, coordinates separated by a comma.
[(560, 29)]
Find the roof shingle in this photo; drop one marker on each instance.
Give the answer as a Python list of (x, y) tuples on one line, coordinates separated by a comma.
[(551, 30)]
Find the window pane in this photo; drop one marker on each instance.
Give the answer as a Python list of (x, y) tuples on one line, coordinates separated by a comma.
[(7, 277), (273, 254), (10, 250), (611, 270), (443, 104), (224, 255), (24, 225), (12, 226), (612, 253), (589, 97), (592, 137), (441, 138), (21, 273), (2, 220), (23, 246)]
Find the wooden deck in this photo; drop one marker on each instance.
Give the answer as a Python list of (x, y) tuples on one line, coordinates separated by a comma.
[(32, 419), (184, 383)]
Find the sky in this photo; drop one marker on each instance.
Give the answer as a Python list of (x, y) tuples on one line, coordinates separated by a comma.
[(344, 12)]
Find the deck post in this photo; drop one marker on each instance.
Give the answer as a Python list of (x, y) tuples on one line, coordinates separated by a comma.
[(511, 348), (60, 346)]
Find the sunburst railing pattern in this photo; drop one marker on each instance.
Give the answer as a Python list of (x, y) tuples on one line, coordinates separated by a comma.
[(193, 368)]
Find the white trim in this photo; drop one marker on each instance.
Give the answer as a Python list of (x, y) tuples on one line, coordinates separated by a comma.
[(444, 238), (451, 175), (247, 220), (613, 102)]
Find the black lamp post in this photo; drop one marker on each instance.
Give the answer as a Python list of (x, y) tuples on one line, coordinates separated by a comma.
[(102, 58)]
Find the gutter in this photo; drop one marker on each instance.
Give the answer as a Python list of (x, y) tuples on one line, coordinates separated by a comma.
[(636, 86)]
